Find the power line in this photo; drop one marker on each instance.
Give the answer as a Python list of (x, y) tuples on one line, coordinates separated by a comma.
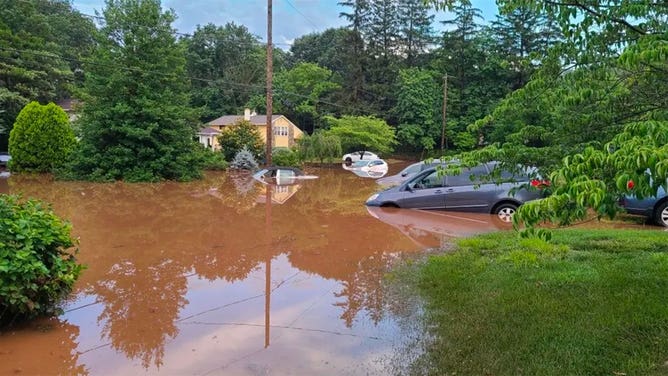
[(302, 14), (259, 88)]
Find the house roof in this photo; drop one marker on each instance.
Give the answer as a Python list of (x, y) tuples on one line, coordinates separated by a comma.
[(231, 119), (208, 131)]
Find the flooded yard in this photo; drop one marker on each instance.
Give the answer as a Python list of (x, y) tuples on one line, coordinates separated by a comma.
[(228, 276)]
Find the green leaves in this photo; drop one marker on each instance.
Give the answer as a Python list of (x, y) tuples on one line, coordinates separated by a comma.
[(41, 140), (136, 123), (37, 263), (363, 133), (241, 135)]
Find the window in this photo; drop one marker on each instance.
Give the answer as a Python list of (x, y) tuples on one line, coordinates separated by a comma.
[(280, 130), (430, 181), (465, 177)]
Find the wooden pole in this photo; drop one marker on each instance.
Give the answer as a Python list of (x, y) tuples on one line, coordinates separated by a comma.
[(445, 105), (270, 67)]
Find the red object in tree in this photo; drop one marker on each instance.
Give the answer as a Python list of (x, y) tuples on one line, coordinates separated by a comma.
[(540, 184), (630, 184)]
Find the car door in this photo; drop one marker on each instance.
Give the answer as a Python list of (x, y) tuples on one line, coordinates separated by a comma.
[(424, 192), (464, 194)]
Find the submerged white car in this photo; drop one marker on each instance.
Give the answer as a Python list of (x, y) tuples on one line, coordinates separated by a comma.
[(359, 156)]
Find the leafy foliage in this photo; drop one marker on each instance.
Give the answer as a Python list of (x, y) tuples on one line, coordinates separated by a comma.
[(136, 125), (285, 157), (416, 109), (321, 146), (41, 45), (299, 91), (37, 263), (41, 140), (242, 134), (212, 160), (597, 178), (363, 133), (244, 160), (218, 55)]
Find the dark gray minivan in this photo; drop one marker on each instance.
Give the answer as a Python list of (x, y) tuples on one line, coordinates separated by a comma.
[(463, 192)]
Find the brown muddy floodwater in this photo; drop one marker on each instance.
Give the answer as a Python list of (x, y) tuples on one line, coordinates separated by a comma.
[(226, 276)]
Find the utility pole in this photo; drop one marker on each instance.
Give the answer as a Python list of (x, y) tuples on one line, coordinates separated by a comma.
[(270, 67), (445, 106)]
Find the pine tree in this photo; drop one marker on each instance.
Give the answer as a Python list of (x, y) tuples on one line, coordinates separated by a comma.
[(136, 125), (416, 32), (525, 37), (244, 160)]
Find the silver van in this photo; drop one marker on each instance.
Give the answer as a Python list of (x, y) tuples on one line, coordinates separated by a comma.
[(464, 192)]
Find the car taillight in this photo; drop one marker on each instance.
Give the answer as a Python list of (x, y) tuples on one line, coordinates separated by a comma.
[(540, 184)]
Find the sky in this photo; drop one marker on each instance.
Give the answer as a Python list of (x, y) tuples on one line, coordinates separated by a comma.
[(291, 18)]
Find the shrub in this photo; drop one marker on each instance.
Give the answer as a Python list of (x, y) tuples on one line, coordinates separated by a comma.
[(41, 140), (211, 160), (285, 157), (244, 160), (37, 264), (239, 135), (320, 146)]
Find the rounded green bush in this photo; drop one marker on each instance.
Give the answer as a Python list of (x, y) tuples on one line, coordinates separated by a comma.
[(37, 263), (41, 140)]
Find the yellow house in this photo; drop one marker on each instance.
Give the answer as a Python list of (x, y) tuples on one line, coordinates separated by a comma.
[(284, 131)]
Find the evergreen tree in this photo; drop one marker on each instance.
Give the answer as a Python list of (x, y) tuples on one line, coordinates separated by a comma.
[(359, 24), (383, 35), (244, 160), (415, 31), (136, 124), (524, 40)]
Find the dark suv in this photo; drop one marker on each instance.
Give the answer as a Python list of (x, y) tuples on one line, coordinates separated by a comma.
[(463, 192)]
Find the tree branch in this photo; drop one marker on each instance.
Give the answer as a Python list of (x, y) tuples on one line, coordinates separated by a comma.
[(595, 13)]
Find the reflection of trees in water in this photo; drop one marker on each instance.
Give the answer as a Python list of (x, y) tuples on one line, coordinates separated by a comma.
[(141, 304), (52, 347), (363, 290), (334, 191), (140, 241)]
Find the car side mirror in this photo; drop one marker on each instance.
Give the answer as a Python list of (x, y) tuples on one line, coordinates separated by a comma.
[(409, 188), (404, 174)]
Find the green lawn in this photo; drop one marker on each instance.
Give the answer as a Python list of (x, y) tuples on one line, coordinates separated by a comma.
[(592, 302)]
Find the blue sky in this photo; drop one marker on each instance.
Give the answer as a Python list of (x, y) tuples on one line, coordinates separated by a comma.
[(292, 18)]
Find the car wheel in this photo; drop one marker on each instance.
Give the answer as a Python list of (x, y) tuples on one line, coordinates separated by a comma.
[(661, 214), (504, 212), (349, 161)]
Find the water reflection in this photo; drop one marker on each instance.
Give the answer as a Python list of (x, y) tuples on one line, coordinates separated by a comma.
[(194, 277), (435, 228)]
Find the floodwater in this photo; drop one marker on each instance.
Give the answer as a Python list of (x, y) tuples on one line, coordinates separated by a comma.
[(228, 276)]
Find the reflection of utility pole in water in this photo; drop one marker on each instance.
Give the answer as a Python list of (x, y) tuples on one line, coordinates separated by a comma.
[(267, 267)]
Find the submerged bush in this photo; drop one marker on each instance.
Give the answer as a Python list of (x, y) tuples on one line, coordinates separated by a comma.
[(37, 263)]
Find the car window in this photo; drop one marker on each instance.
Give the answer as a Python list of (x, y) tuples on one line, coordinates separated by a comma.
[(376, 163), (432, 180), (412, 169), (465, 177)]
